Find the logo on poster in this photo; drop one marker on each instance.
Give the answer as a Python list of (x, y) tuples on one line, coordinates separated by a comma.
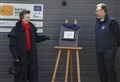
[(17, 10), (37, 11), (6, 10)]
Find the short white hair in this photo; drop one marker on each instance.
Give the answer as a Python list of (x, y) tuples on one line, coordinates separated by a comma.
[(102, 6)]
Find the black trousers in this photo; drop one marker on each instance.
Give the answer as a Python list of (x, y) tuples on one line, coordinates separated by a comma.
[(25, 73), (106, 62)]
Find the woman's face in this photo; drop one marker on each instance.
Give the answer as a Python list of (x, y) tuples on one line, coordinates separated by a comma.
[(26, 18)]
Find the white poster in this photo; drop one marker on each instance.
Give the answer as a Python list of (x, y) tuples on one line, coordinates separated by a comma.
[(12, 23), (9, 29), (12, 10), (5, 25)]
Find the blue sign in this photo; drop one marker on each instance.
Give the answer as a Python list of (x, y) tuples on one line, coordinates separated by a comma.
[(37, 8)]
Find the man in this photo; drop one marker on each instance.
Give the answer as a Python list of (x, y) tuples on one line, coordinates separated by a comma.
[(107, 42), (23, 48)]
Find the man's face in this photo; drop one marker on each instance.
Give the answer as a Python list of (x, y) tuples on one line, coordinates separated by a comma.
[(26, 18), (100, 13)]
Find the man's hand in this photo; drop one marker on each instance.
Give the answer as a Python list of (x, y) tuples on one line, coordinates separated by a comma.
[(16, 59)]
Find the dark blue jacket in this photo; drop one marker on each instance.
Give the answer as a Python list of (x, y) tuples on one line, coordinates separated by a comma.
[(105, 40)]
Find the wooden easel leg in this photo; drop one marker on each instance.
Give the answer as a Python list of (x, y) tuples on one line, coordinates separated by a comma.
[(56, 65), (67, 66), (78, 65), (71, 67)]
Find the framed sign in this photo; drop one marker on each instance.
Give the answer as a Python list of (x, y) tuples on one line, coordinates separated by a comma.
[(12, 10), (69, 35)]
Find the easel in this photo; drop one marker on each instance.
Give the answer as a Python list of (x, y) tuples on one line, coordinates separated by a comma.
[(68, 62), (69, 49)]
